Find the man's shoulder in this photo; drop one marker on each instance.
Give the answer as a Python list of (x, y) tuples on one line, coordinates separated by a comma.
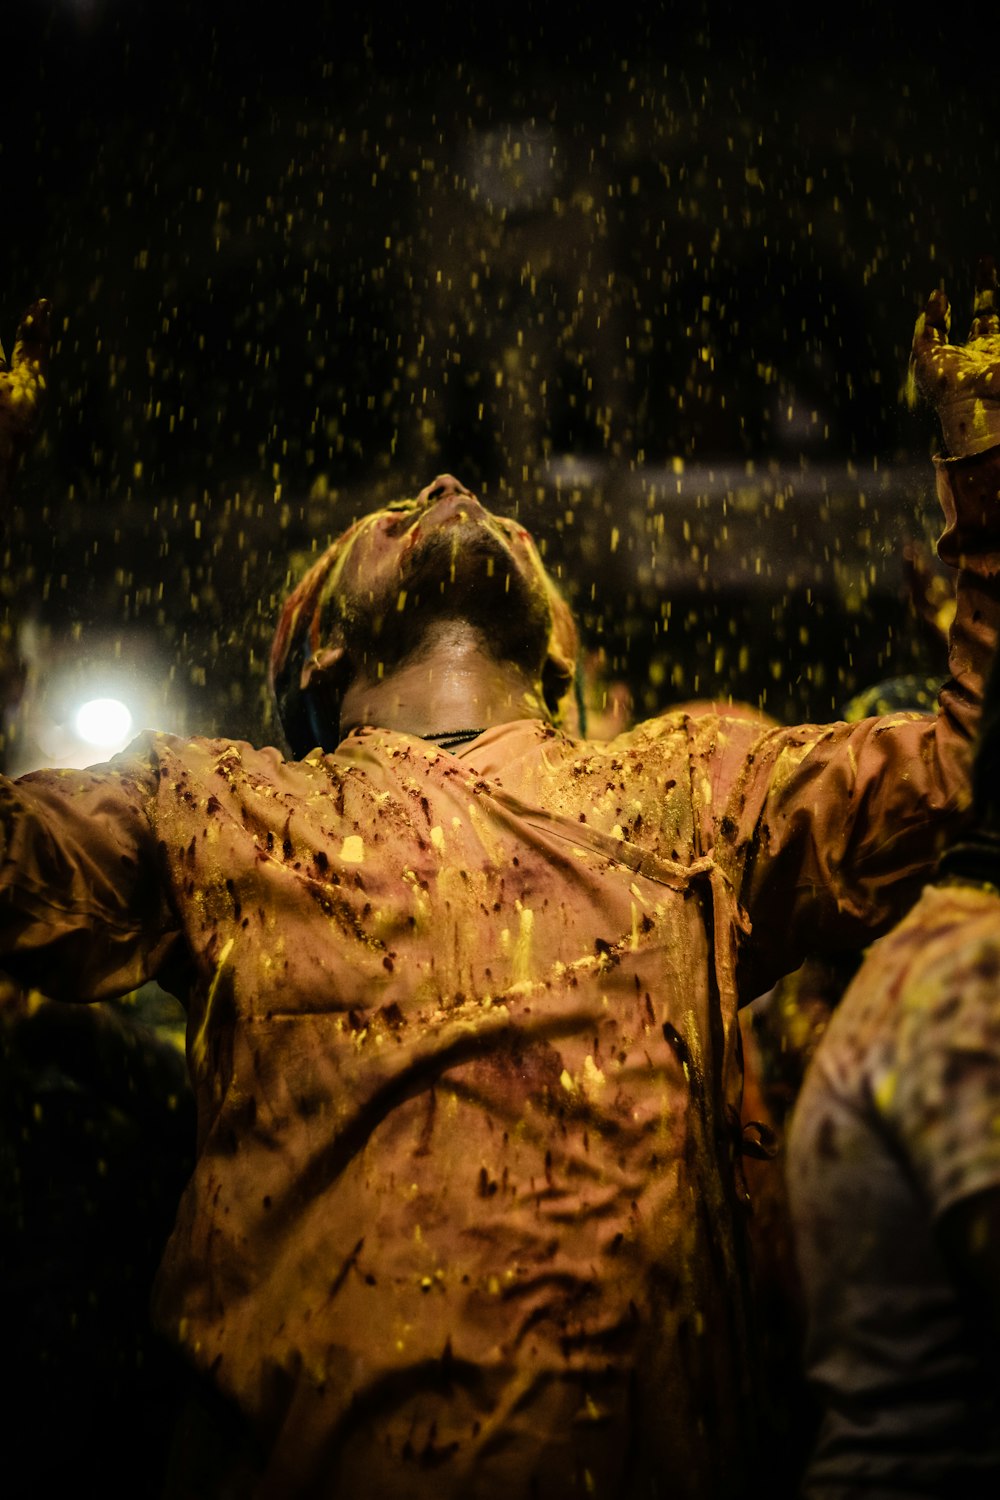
[(198, 755)]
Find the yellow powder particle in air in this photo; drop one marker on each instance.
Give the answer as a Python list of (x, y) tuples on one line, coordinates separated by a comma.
[(437, 838), (353, 849)]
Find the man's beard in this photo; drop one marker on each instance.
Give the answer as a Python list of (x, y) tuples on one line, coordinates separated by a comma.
[(461, 572)]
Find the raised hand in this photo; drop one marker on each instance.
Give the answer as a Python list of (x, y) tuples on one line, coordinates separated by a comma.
[(22, 385), (961, 381)]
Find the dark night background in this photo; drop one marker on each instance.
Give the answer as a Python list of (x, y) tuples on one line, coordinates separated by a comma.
[(649, 281)]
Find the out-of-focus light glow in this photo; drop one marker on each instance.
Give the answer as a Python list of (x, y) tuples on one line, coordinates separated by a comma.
[(104, 722)]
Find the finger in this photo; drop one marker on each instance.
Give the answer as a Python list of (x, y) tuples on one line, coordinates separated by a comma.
[(985, 318), (936, 317), (930, 334)]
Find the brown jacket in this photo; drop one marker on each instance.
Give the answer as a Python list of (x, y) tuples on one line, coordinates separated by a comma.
[(467, 1214)]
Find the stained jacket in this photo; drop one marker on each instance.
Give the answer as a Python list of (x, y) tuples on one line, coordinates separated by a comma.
[(896, 1124), (467, 1216)]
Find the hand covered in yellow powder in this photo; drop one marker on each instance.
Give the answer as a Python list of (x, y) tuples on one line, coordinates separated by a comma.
[(22, 385), (961, 381)]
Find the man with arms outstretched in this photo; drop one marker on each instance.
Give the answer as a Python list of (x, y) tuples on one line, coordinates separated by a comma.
[(467, 1217)]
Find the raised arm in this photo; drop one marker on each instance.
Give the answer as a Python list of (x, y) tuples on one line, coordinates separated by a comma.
[(839, 827)]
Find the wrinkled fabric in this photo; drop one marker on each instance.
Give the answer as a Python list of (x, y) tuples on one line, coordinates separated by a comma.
[(896, 1123), (468, 1217)]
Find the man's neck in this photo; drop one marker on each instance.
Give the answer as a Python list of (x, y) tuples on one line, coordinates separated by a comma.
[(451, 686)]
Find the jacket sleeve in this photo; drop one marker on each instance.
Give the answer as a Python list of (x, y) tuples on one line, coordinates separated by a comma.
[(836, 828), (84, 913)]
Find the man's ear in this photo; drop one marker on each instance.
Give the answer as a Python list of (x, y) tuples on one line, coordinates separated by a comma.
[(326, 664)]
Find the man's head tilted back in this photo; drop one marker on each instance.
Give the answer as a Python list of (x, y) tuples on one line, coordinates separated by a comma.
[(377, 593)]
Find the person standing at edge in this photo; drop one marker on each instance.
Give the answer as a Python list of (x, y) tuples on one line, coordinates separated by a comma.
[(894, 1149), (894, 1187), (467, 1217)]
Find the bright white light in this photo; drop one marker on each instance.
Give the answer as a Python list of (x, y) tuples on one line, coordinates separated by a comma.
[(103, 721)]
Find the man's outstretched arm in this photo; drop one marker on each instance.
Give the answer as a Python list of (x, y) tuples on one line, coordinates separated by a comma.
[(83, 914), (840, 826)]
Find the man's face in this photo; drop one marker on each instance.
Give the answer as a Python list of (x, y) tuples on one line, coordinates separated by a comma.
[(375, 596), (442, 554)]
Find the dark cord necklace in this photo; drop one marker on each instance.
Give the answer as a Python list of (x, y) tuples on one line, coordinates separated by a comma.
[(449, 738)]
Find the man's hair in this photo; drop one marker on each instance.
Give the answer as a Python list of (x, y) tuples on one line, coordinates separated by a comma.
[(305, 620), (313, 617)]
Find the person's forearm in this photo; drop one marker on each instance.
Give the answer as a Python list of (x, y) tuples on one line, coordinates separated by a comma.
[(83, 912), (842, 825)]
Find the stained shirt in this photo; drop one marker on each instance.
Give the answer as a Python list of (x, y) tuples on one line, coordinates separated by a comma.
[(898, 1121), (467, 1216)]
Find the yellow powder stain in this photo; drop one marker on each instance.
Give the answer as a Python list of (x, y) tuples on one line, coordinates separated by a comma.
[(437, 838), (198, 1046), (492, 845), (618, 832), (635, 927), (979, 422), (352, 850), (593, 1078), (522, 948), (566, 1079), (885, 1091)]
